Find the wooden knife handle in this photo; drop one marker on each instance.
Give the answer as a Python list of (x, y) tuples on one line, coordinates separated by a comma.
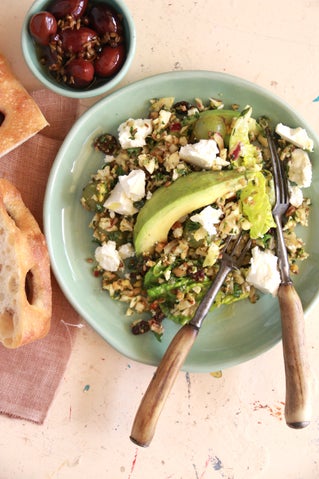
[(298, 407), (159, 388)]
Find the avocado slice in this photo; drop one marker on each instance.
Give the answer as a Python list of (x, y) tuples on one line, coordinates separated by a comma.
[(188, 193)]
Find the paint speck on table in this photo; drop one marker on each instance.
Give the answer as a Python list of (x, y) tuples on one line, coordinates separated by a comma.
[(188, 381), (276, 410), (86, 388), (133, 463), (211, 462), (217, 463)]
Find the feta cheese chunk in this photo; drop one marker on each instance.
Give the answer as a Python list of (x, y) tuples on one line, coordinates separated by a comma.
[(296, 136), (108, 159), (119, 202), (300, 169), (208, 217), (108, 257), (126, 250), (134, 184), (295, 196), (203, 154), (263, 272), (132, 133), (193, 111), (129, 188), (163, 118)]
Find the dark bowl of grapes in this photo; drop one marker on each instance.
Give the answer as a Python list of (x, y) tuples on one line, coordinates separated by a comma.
[(79, 48)]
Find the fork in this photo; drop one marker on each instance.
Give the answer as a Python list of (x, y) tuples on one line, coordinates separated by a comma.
[(234, 253), (298, 407)]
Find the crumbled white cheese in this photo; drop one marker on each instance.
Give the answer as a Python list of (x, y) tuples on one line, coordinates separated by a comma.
[(132, 133), (296, 136), (300, 169), (119, 202), (193, 111), (108, 257), (126, 250), (208, 217), (263, 272), (108, 158), (163, 118), (203, 154), (295, 196), (167, 274), (129, 188), (134, 184)]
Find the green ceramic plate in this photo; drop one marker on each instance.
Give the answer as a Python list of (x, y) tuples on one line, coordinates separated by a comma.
[(230, 335)]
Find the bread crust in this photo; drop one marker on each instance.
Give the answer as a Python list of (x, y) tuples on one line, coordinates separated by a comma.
[(26, 292), (22, 116)]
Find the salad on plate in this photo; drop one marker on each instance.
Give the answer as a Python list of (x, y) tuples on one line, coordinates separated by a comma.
[(172, 187)]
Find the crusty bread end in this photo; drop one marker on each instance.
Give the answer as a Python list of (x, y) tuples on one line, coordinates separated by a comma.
[(25, 292), (22, 118)]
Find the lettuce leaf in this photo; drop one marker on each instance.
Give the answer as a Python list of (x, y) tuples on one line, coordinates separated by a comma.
[(241, 150), (256, 206)]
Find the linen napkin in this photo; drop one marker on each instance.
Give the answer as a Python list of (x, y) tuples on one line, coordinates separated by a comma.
[(30, 375)]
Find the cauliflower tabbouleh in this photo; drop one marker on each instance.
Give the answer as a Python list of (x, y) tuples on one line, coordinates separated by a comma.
[(174, 140)]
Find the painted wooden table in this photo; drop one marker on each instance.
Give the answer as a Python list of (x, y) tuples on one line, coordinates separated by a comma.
[(211, 428)]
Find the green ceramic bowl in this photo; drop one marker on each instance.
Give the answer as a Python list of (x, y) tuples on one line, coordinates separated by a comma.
[(231, 334), (31, 58)]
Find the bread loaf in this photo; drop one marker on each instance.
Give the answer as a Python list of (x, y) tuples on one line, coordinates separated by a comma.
[(25, 282), (20, 116)]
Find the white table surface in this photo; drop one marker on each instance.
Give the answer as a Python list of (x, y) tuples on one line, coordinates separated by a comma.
[(227, 428)]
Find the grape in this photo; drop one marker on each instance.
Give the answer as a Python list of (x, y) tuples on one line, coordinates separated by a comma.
[(62, 8), (214, 121), (42, 26), (104, 19), (110, 60), (74, 41), (80, 72)]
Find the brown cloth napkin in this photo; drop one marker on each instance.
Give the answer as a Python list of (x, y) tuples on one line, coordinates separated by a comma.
[(30, 375)]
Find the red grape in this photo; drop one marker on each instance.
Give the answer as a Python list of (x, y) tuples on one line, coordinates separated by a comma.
[(104, 19), (42, 26), (110, 60), (80, 72), (74, 41), (62, 8)]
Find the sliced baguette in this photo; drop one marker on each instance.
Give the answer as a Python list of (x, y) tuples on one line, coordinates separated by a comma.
[(25, 282), (20, 116)]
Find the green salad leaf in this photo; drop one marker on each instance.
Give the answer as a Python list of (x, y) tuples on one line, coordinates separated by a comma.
[(256, 206), (243, 152)]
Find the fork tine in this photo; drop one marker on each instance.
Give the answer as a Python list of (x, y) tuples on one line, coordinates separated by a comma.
[(234, 253), (279, 174), (279, 209), (283, 176), (237, 248)]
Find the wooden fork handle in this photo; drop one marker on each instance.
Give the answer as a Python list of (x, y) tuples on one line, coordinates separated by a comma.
[(160, 386), (298, 407)]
